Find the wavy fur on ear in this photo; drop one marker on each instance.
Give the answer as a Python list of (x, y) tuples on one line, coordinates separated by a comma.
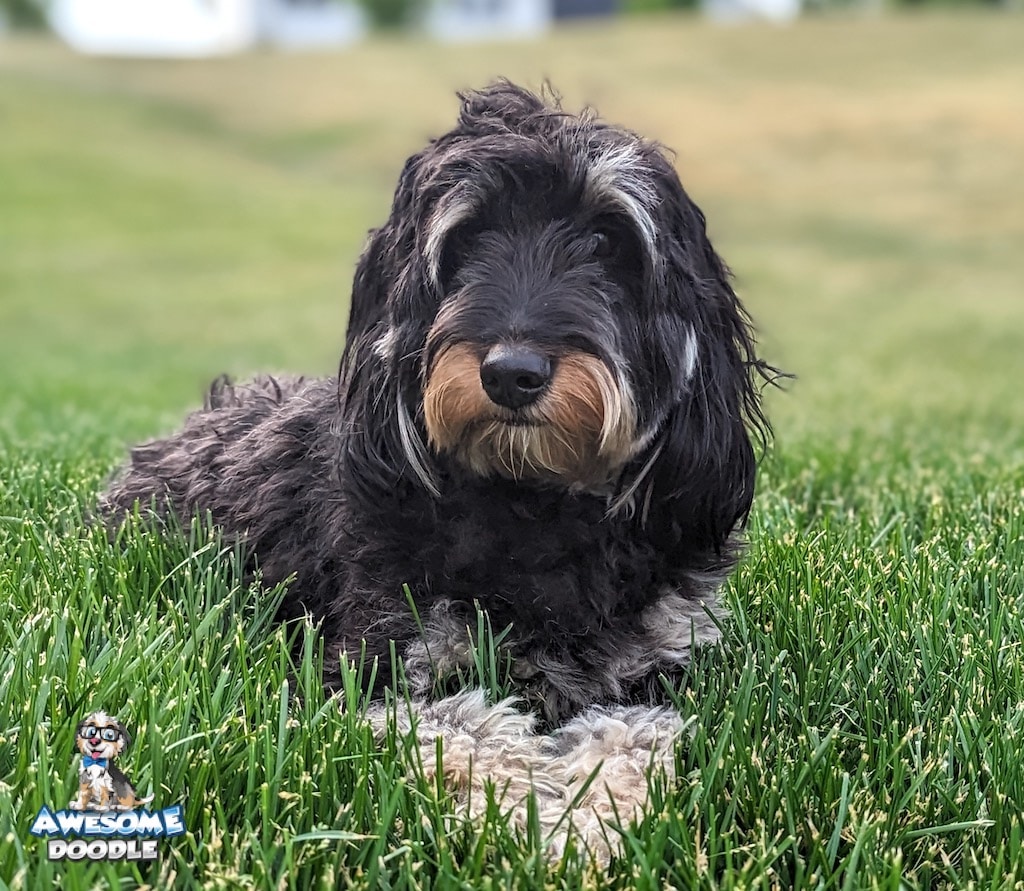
[(699, 484), (378, 374)]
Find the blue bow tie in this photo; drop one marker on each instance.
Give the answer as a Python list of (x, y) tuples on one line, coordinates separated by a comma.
[(89, 761)]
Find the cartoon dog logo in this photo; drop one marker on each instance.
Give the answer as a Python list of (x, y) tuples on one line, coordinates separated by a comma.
[(101, 786)]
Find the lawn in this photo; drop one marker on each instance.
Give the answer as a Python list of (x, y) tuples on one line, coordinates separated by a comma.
[(861, 723)]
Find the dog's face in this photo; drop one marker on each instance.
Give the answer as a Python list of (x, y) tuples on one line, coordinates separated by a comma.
[(533, 362), (101, 736), (544, 305)]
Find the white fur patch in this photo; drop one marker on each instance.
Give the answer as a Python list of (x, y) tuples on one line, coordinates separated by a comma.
[(496, 745), (384, 346), (674, 626), (620, 177), (457, 206), (415, 451), (690, 353)]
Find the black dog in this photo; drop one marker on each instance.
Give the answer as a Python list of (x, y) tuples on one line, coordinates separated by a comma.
[(545, 406)]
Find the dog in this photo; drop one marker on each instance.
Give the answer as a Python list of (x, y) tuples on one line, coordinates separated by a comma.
[(101, 739), (547, 408)]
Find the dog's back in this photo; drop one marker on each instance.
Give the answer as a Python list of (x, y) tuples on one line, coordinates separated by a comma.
[(264, 390), (179, 475), (256, 460)]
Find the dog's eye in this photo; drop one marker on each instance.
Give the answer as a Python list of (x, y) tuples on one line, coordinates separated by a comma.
[(601, 245), (456, 247), (109, 734)]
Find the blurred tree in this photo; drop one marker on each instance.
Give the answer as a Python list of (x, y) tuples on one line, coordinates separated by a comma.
[(23, 13), (387, 14), (656, 5)]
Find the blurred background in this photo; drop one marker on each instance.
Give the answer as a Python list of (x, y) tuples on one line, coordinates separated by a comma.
[(185, 186)]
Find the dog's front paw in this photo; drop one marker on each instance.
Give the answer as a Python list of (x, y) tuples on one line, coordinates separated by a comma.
[(481, 745)]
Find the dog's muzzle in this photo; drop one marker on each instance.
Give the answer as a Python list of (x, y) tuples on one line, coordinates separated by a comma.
[(515, 376), (510, 409)]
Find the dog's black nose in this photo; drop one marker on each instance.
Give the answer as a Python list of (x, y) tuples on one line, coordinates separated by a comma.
[(514, 376)]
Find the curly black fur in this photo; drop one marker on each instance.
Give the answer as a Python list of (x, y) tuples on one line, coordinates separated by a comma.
[(523, 225)]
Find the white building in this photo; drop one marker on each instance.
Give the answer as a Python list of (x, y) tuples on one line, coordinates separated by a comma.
[(192, 28), (752, 10), (483, 19)]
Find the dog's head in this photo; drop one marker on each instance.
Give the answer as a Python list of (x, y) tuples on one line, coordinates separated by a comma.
[(101, 736), (544, 304)]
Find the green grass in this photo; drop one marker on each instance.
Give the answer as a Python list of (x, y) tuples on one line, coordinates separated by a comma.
[(861, 723)]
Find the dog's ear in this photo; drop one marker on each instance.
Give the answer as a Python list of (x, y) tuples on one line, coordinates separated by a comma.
[(386, 250), (125, 737), (368, 302), (380, 442), (702, 464), (379, 388)]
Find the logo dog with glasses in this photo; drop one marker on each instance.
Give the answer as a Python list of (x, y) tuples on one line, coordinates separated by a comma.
[(101, 739)]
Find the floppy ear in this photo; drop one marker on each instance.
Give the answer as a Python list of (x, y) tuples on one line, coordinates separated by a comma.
[(701, 483), (379, 389), (78, 730), (380, 441), (375, 271), (126, 739)]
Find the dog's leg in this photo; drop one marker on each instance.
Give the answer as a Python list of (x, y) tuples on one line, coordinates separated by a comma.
[(84, 794), (103, 792), (481, 745), (485, 744), (615, 751), (215, 460)]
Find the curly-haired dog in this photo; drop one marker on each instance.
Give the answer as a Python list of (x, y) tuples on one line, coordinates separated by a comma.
[(545, 407), (101, 739)]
